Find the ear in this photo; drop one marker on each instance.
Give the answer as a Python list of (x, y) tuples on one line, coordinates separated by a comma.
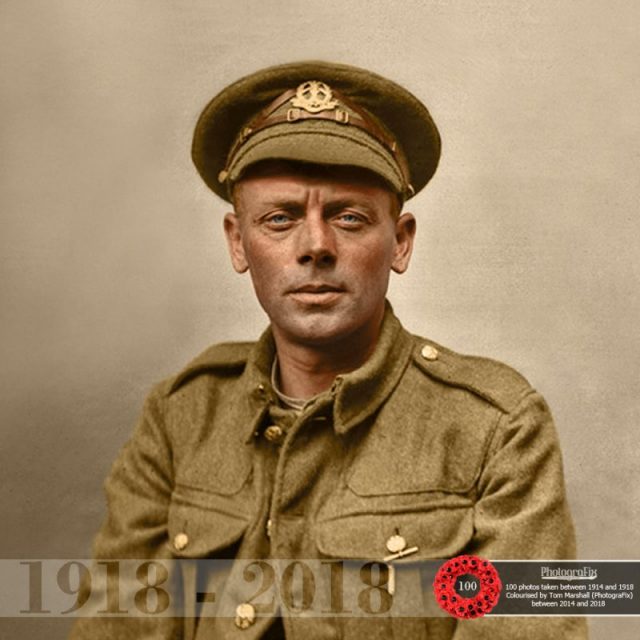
[(234, 241), (405, 233)]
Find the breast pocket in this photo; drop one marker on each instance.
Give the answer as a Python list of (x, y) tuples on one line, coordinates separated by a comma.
[(395, 595), (407, 526)]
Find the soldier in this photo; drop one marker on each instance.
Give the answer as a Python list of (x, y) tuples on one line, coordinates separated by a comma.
[(337, 435)]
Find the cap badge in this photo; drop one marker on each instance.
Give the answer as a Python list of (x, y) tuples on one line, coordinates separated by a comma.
[(314, 96)]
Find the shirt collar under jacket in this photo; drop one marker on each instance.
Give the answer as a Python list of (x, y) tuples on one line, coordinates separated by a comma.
[(352, 398), (297, 404)]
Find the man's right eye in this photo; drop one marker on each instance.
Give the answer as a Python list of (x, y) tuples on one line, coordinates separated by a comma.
[(277, 220)]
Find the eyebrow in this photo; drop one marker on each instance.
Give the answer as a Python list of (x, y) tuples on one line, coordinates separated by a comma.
[(284, 204)]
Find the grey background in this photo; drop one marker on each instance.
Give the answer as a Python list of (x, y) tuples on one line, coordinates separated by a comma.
[(114, 271)]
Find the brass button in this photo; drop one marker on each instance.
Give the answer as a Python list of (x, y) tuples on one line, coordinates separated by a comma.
[(429, 353), (181, 541), (273, 433), (396, 543), (245, 615)]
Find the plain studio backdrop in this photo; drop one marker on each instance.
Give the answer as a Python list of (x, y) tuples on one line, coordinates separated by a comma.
[(115, 271)]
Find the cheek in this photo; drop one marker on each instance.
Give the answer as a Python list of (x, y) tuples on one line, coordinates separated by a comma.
[(259, 258), (265, 268), (373, 263)]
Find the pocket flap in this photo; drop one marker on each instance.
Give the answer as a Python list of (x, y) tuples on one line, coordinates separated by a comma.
[(202, 523), (439, 533)]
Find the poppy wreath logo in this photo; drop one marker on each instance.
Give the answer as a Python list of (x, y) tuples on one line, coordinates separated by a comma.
[(467, 587)]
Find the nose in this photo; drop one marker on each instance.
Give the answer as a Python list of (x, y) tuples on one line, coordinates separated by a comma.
[(316, 242)]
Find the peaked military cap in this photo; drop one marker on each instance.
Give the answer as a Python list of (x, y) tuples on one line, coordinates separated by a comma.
[(321, 113)]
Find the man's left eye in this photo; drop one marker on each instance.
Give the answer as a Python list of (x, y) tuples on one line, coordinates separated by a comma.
[(350, 218)]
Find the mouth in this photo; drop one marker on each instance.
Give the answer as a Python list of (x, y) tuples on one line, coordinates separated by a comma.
[(317, 288), (317, 293)]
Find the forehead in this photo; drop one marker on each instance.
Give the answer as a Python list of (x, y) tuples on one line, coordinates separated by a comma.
[(272, 178)]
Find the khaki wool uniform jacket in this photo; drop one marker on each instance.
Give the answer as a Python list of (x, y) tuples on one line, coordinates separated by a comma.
[(457, 454)]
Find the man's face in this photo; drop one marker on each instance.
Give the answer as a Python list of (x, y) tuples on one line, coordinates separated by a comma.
[(319, 243)]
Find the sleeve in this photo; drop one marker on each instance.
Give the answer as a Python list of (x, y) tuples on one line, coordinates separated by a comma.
[(138, 492), (522, 513)]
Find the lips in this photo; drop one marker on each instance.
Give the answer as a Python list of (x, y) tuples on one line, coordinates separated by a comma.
[(317, 293), (317, 288)]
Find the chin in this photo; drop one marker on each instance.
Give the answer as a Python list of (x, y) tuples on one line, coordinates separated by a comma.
[(316, 329)]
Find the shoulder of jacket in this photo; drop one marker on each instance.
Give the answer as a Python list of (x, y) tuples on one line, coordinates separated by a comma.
[(225, 358), (493, 381)]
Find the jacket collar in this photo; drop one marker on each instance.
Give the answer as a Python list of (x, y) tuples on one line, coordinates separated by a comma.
[(352, 398)]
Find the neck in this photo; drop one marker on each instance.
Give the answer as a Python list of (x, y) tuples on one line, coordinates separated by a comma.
[(307, 369)]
